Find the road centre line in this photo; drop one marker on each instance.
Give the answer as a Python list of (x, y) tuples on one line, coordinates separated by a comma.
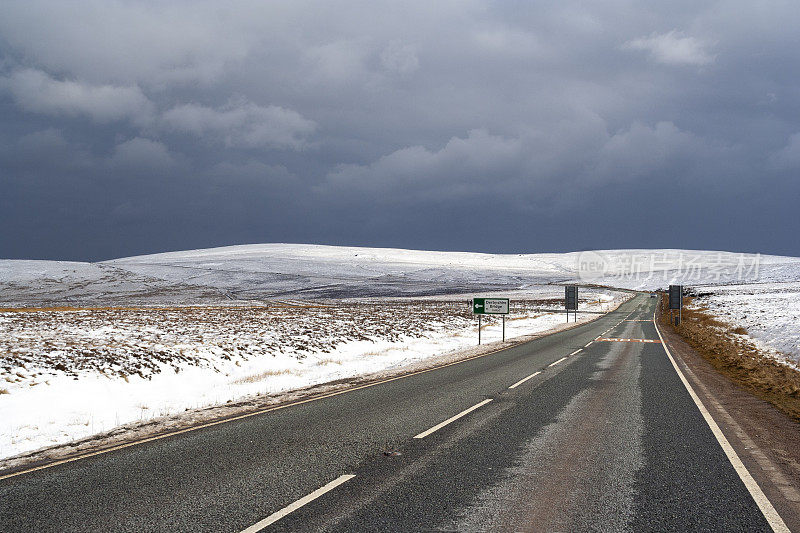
[(773, 518), (277, 515), (589, 344), (245, 415), (576, 351), (554, 363), (137, 442), (439, 426), (523, 380)]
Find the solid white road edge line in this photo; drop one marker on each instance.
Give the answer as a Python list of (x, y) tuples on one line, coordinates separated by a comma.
[(769, 512), (523, 380), (554, 363), (274, 517), (576, 351), (439, 426)]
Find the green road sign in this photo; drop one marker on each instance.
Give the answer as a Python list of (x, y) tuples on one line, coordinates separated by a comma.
[(490, 306)]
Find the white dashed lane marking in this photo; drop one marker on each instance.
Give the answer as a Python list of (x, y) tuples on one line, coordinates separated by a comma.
[(523, 380), (437, 427), (277, 515)]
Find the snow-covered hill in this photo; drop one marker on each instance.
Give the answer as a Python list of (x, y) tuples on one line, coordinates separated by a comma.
[(275, 271), (72, 373)]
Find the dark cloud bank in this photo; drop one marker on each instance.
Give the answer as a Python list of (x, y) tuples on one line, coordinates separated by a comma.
[(131, 128)]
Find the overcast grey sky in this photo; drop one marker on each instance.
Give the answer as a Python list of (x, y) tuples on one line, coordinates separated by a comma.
[(137, 127)]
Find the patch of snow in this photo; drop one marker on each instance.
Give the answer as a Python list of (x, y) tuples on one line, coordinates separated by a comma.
[(770, 312), (203, 357)]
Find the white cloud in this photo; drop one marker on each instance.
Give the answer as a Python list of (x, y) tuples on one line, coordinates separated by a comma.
[(673, 48), (548, 167), (340, 62), (37, 92), (47, 148), (146, 43), (506, 41), (462, 167), (400, 58), (641, 150), (242, 124), (141, 152)]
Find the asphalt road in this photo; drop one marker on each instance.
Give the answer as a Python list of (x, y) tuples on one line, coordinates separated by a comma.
[(605, 439)]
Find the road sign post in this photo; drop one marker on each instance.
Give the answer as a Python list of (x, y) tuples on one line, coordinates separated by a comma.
[(571, 300), (491, 306)]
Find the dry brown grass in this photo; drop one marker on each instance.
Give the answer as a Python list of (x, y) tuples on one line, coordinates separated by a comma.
[(255, 378), (523, 317), (328, 361), (739, 359), (4, 391), (144, 341)]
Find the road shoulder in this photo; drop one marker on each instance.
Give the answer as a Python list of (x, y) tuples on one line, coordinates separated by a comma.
[(766, 440)]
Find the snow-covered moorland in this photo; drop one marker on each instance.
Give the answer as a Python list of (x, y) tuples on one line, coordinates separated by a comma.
[(68, 374), (769, 312), (147, 336)]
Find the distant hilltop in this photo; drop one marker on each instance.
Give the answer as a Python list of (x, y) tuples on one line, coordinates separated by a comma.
[(256, 272)]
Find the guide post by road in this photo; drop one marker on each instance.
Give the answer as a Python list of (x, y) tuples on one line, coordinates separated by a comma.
[(676, 302), (571, 300), (490, 306)]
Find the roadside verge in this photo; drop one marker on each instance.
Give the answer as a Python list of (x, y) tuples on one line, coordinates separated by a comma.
[(160, 428), (763, 440)]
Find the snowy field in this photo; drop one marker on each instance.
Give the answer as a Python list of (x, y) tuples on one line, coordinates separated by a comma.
[(770, 312), (265, 272), (69, 374), (180, 330)]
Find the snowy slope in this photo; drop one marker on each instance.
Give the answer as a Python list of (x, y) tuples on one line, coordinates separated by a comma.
[(274, 271), (281, 270), (770, 312), (63, 283)]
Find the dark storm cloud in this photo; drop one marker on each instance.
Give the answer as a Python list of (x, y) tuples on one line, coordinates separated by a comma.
[(133, 127)]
